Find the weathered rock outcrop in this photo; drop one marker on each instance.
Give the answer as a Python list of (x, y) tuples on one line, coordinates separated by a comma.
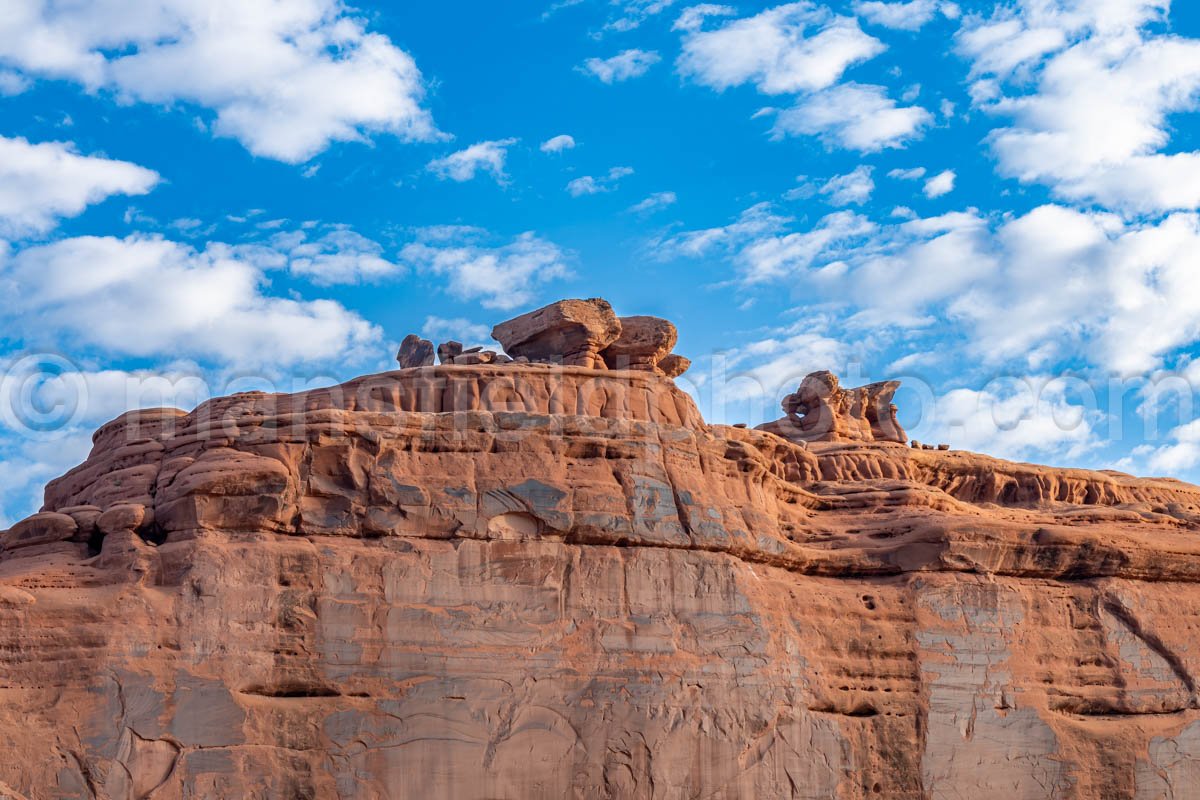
[(821, 411), (415, 352), (569, 332), (528, 581), (643, 344)]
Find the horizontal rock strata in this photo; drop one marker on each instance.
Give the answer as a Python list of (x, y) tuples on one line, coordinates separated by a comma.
[(527, 581)]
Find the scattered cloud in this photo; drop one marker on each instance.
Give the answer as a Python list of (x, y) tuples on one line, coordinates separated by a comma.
[(1021, 418), (45, 397), (905, 16), (42, 183), (655, 202), (464, 164), (853, 116), (621, 67), (790, 48), (605, 183), (853, 188), (1180, 454), (503, 277), (26, 466), (148, 296), (747, 383), (632, 13), (1095, 126), (12, 83), (557, 144), (940, 184), (284, 79), (1124, 295), (340, 256), (762, 249), (912, 174), (691, 19)]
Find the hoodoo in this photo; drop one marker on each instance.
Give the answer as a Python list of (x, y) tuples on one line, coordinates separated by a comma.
[(539, 573)]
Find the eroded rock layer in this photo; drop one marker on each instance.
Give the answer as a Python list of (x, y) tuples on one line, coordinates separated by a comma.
[(525, 581)]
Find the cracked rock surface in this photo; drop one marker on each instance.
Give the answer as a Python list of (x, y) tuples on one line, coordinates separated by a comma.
[(527, 581)]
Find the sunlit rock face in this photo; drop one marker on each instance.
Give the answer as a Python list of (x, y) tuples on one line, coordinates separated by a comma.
[(820, 410), (536, 581)]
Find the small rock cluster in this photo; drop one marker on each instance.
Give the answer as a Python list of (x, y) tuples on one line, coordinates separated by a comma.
[(418, 352), (570, 333)]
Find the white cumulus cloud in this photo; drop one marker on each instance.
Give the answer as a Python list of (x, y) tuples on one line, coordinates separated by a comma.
[(464, 164), (557, 144), (1095, 126), (940, 184), (909, 16), (789, 48), (339, 256), (911, 174), (284, 77), (589, 184), (148, 296), (853, 116), (41, 183), (853, 188), (504, 277), (654, 202), (621, 67), (1020, 418)]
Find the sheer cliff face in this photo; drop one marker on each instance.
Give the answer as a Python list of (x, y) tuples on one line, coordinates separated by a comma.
[(532, 582)]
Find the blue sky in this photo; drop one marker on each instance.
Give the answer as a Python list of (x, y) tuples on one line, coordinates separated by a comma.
[(995, 202)]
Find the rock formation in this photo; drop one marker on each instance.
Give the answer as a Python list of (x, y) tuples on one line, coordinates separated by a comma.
[(569, 332), (674, 365), (448, 351), (532, 581), (644, 342), (415, 352), (821, 411)]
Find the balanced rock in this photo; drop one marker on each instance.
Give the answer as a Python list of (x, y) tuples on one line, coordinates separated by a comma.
[(820, 410), (674, 365), (121, 517), (415, 352), (643, 343), (448, 351), (569, 332)]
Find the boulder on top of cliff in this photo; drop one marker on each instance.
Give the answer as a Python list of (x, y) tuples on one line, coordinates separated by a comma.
[(415, 352), (569, 332), (674, 365), (448, 351), (475, 356), (643, 343), (820, 410)]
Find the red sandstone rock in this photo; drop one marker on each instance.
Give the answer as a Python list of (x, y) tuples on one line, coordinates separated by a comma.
[(821, 411), (569, 332), (674, 365), (415, 352), (643, 343), (522, 581), (448, 351)]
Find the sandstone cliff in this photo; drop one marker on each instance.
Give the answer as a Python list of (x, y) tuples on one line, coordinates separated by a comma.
[(534, 581)]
